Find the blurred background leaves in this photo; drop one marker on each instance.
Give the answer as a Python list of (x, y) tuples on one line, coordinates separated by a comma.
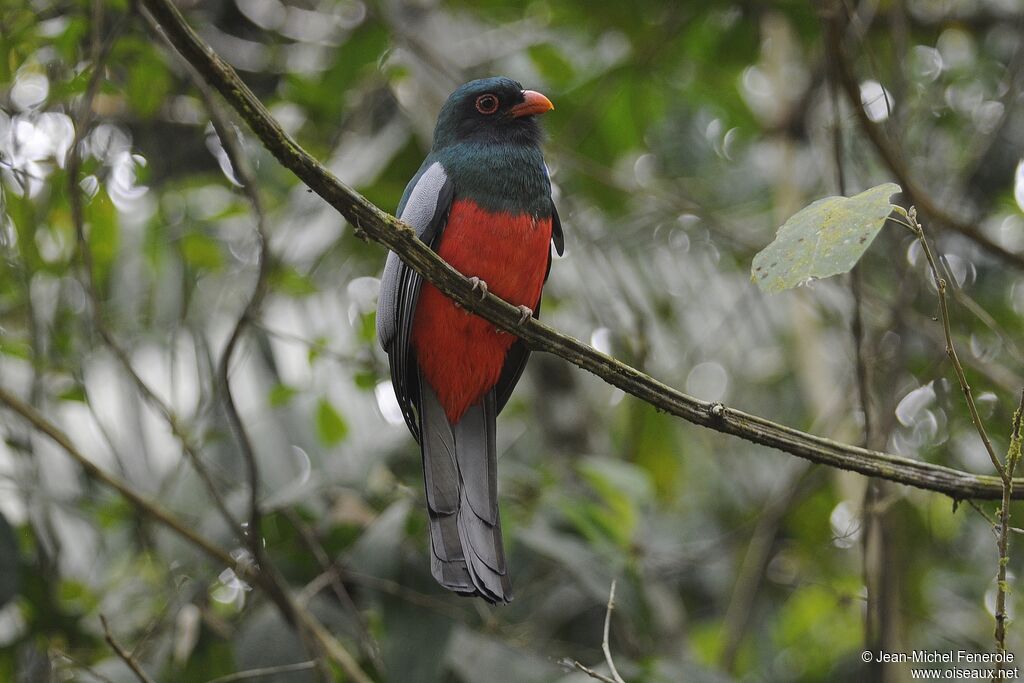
[(684, 135)]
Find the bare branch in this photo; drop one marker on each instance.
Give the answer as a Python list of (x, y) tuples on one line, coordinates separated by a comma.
[(331, 575), (987, 517), (143, 504), (265, 578), (590, 672), (244, 174), (605, 647), (604, 641), (125, 656), (265, 671), (1012, 458), (958, 368), (398, 237)]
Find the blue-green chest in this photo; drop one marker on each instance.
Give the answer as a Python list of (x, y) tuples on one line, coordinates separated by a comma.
[(499, 177)]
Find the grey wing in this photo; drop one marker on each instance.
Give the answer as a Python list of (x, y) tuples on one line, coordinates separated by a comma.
[(424, 207)]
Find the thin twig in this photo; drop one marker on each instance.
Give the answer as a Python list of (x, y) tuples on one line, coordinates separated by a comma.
[(125, 656), (96, 473), (875, 548), (856, 286), (246, 177), (605, 647), (987, 517), (751, 571), (590, 672), (857, 331), (319, 347), (958, 368), (243, 172), (75, 664), (332, 575), (1012, 458), (265, 671)]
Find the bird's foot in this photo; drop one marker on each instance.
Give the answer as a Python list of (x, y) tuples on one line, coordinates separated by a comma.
[(479, 284), (525, 313)]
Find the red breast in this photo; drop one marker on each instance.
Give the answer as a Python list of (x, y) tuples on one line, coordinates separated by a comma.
[(459, 353)]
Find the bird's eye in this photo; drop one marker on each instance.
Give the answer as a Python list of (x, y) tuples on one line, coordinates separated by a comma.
[(487, 104)]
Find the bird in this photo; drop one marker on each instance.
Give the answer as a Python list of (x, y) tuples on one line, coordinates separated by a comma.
[(482, 200)]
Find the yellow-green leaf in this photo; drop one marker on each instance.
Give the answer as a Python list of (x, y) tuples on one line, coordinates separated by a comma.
[(201, 251), (824, 239), (330, 425)]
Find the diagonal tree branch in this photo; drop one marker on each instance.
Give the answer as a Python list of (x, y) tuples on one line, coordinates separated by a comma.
[(251, 674), (261, 577), (125, 656), (96, 473), (389, 231)]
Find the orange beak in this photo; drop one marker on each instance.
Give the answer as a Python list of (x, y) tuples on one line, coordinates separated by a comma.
[(534, 103)]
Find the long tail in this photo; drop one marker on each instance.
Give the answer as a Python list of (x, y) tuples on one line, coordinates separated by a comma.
[(460, 472)]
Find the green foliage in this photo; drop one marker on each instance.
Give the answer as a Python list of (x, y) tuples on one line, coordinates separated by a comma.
[(330, 425), (201, 251), (102, 221), (819, 625), (148, 83), (281, 394), (682, 134), (288, 280)]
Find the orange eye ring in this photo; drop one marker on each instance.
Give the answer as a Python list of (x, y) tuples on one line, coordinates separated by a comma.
[(487, 104)]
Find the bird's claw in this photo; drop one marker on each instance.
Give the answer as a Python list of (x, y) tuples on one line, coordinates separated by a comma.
[(479, 284), (525, 313)]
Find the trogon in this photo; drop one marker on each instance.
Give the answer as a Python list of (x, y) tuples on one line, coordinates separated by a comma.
[(482, 201)]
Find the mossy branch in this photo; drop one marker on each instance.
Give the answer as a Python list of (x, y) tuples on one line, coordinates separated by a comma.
[(389, 231), (1003, 529)]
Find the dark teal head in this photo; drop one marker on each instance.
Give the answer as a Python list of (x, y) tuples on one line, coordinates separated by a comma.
[(491, 110)]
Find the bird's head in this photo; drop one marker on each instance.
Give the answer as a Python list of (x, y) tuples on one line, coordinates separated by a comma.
[(491, 110)]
